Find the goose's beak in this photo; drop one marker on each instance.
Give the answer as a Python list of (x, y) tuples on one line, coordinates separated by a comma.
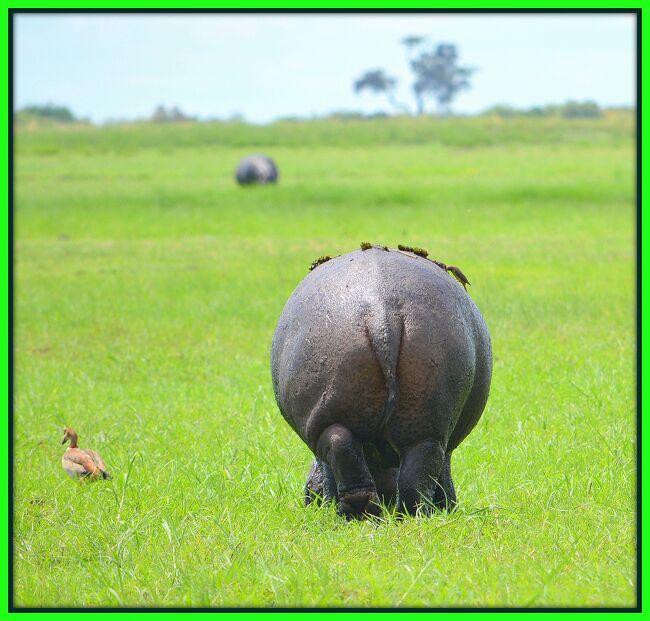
[(64, 439)]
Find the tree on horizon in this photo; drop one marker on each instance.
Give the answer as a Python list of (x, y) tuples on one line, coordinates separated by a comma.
[(437, 75)]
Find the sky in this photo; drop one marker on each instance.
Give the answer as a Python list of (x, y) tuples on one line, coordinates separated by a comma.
[(261, 66)]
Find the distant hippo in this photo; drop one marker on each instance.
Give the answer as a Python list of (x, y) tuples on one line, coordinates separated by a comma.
[(382, 364), (256, 169)]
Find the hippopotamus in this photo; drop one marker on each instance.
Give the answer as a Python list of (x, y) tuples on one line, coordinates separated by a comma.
[(381, 363), (256, 169)]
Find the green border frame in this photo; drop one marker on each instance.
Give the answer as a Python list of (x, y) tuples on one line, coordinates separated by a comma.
[(293, 5)]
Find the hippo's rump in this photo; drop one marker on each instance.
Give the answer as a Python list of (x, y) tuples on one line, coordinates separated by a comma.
[(381, 341)]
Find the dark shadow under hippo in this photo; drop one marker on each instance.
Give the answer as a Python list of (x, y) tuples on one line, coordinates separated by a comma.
[(256, 169), (381, 363)]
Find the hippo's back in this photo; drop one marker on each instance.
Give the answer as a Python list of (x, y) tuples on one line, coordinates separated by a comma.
[(387, 344)]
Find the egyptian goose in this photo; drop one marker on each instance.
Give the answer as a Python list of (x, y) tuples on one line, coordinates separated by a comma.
[(78, 462)]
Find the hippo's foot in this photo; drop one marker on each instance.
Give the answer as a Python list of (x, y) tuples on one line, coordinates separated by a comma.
[(419, 484), (359, 504), (320, 486), (356, 491)]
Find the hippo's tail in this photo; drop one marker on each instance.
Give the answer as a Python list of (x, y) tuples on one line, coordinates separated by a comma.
[(385, 331)]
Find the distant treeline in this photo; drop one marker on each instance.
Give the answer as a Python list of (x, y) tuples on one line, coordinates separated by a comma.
[(51, 113), (48, 112), (568, 110)]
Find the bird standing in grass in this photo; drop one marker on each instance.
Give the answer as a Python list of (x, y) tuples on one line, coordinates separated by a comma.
[(81, 463)]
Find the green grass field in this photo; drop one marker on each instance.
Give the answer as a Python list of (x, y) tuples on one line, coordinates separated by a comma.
[(147, 288)]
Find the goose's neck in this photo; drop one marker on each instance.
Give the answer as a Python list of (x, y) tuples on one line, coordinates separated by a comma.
[(73, 440)]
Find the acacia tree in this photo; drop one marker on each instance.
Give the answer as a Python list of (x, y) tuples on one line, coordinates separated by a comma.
[(436, 71), (438, 75), (378, 81)]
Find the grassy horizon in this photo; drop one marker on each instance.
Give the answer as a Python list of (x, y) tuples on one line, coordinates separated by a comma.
[(49, 138), (147, 288)]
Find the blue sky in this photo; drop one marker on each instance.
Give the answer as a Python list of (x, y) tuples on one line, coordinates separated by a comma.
[(266, 66)]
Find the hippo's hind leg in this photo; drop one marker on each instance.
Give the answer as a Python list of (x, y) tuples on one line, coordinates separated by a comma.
[(386, 482), (419, 477), (321, 485), (356, 490), (445, 494)]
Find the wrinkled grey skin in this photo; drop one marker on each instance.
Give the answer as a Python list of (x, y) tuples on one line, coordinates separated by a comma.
[(381, 363), (256, 169)]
